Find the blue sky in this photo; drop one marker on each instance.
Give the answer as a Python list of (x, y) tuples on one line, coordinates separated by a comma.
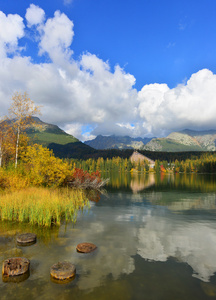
[(155, 59)]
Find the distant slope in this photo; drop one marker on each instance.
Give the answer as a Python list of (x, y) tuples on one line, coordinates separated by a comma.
[(44, 133), (117, 142), (76, 150), (186, 140), (206, 139), (63, 145)]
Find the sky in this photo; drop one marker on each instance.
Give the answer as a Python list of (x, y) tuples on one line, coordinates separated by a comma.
[(137, 68)]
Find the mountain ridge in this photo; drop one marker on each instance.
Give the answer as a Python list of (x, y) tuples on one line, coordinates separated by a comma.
[(185, 140), (51, 136), (117, 142), (46, 133), (177, 141)]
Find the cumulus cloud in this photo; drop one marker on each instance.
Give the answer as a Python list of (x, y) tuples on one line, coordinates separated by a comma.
[(187, 106), (57, 37), (87, 92), (34, 15), (11, 30)]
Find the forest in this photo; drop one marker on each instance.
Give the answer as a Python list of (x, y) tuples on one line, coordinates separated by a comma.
[(79, 150), (36, 186), (203, 163)]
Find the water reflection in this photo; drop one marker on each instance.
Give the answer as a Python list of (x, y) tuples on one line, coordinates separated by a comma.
[(155, 234), (180, 202), (189, 241), (140, 182), (189, 237)]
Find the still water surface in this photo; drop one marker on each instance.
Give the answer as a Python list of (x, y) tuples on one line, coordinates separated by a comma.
[(156, 239)]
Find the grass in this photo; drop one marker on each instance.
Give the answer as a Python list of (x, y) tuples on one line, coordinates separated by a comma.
[(171, 145), (45, 138), (41, 206)]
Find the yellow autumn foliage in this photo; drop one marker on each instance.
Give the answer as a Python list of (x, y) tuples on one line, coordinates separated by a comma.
[(13, 180), (41, 167)]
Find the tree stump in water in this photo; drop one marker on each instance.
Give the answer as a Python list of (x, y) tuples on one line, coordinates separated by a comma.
[(63, 271), (86, 247), (26, 239), (15, 266)]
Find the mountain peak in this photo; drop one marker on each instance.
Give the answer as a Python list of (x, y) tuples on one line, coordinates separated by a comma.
[(185, 140), (45, 133)]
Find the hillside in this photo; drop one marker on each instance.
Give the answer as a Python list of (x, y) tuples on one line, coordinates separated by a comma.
[(117, 142), (186, 140), (76, 150), (44, 133)]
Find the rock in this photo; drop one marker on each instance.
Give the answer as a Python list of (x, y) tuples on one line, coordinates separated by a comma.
[(15, 266), (26, 239), (86, 247), (63, 271)]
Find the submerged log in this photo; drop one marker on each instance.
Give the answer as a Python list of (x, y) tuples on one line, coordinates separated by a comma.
[(63, 271), (15, 266), (87, 184), (26, 239), (86, 247)]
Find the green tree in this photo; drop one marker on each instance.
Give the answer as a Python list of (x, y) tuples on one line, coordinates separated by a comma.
[(157, 166), (146, 166)]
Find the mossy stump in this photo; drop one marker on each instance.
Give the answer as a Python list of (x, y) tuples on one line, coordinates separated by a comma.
[(15, 266), (63, 271), (86, 247), (26, 239)]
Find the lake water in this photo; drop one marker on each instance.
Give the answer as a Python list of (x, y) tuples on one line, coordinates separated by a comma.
[(156, 239)]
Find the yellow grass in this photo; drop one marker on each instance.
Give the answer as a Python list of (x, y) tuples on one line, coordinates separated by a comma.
[(41, 206)]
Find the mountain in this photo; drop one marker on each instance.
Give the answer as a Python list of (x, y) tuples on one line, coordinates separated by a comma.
[(186, 140), (63, 144), (117, 142), (76, 150), (45, 133), (66, 145)]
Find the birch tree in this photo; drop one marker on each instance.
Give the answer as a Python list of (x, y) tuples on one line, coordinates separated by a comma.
[(7, 139), (21, 112), (1, 142), (0, 150)]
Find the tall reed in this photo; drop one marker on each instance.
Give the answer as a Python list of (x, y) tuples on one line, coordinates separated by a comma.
[(42, 206)]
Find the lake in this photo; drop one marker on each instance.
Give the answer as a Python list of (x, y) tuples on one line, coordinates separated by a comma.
[(156, 239)]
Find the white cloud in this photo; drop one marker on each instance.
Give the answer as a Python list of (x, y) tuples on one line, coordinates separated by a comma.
[(74, 129), (187, 106), (57, 37), (11, 30), (34, 15), (75, 93)]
